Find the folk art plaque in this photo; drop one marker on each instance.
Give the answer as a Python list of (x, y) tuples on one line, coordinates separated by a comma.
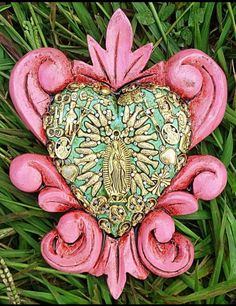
[(117, 137)]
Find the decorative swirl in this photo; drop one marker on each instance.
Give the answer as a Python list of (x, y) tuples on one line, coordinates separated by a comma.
[(178, 203), (195, 76), (55, 200), (38, 73), (76, 244), (207, 174), (29, 172), (162, 251)]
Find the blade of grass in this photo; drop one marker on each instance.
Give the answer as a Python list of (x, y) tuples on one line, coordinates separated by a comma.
[(159, 25)]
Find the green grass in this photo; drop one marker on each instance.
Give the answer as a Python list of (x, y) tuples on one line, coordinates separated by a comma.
[(170, 27)]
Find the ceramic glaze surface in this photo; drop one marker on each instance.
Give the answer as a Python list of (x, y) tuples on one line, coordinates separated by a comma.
[(118, 151)]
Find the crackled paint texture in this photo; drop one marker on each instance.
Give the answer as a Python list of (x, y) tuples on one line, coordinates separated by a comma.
[(78, 243)]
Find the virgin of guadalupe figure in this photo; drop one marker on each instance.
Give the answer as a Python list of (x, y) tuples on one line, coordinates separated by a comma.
[(117, 170)]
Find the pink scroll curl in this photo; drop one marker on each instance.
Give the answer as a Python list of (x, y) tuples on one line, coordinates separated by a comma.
[(207, 175), (39, 73), (36, 173), (196, 77), (166, 259), (163, 251), (76, 244)]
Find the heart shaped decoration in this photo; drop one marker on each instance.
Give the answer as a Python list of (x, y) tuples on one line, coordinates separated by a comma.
[(120, 146), (117, 151)]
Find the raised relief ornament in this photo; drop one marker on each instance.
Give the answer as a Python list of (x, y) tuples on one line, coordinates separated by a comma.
[(117, 137)]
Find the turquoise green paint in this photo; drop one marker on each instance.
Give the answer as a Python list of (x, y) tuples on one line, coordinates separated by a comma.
[(149, 101)]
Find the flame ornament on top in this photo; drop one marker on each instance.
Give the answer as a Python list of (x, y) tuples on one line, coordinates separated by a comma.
[(78, 243), (117, 64)]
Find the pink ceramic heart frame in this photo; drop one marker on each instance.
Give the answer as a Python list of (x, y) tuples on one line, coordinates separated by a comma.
[(77, 244)]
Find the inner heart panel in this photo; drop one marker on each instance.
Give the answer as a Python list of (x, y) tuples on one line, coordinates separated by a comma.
[(117, 151)]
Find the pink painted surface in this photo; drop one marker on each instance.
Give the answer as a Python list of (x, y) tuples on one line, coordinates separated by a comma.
[(29, 172), (162, 250), (77, 244), (195, 76), (119, 256), (178, 203), (117, 64), (207, 175), (36, 75)]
